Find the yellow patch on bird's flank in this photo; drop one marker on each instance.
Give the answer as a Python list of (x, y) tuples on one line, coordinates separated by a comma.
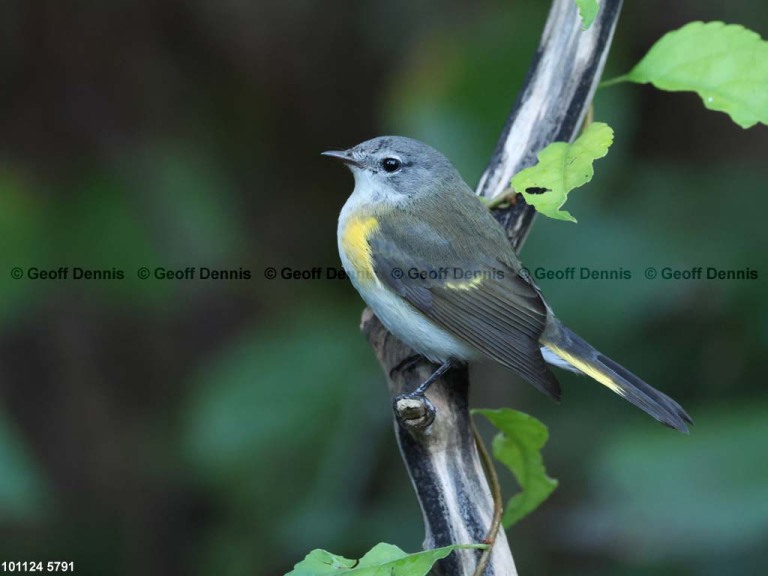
[(466, 285), (354, 240), (588, 369)]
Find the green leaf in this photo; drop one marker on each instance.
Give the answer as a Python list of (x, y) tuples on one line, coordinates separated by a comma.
[(561, 168), (588, 10), (725, 64), (381, 560), (518, 446)]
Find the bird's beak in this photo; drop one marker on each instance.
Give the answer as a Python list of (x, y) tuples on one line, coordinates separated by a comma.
[(344, 156)]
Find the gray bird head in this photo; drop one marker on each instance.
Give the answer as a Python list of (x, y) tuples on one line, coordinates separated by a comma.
[(398, 167)]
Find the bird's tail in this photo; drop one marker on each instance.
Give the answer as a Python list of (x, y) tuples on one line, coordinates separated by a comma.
[(578, 353)]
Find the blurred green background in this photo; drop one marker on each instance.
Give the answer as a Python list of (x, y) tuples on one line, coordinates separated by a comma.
[(204, 427)]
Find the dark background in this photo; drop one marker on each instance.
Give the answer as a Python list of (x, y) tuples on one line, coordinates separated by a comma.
[(228, 427)]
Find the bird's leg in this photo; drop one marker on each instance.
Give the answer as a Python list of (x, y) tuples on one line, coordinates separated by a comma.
[(424, 386)]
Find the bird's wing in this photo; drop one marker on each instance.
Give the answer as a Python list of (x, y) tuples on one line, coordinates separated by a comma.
[(472, 294)]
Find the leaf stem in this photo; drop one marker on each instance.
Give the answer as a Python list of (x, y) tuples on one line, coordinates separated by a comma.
[(614, 81), (589, 118), (493, 480)]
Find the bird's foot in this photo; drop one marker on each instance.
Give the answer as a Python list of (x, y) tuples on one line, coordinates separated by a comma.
[(413, 409)]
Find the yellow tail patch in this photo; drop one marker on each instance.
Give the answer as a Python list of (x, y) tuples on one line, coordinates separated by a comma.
[(589, 369), (354, 241)]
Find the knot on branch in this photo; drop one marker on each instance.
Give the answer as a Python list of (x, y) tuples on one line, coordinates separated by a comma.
[(413, 412)]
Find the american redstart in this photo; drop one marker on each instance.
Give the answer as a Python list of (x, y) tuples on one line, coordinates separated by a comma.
[(436, 267)]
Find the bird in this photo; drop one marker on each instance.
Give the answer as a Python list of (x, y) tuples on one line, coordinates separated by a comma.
[(427, 256)]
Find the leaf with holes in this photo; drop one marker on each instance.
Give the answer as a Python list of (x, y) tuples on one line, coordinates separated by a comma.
[(561, 168)]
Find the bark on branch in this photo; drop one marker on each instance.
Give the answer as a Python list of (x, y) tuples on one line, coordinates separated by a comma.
[(435, 437)]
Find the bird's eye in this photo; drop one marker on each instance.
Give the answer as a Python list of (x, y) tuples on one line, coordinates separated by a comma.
[(391, 165)]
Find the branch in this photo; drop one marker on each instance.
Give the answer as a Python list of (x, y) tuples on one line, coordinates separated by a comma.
[(435, 436), (552, 105)]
